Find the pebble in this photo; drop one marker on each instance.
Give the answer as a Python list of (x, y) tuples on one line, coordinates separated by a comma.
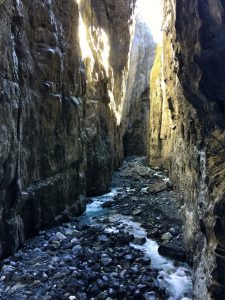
[(106, 260), (56, 244), (60, 236), (77, 261), (137, 212), (69, 232)]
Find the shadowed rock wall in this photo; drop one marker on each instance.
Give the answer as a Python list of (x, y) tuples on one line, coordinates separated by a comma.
[(49, 111), (187, 130), (42, 159)]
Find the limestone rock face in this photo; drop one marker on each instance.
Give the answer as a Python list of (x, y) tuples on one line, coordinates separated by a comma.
[(187, 130), (107, 27), (136, 110), (58, 120), (42, 159)]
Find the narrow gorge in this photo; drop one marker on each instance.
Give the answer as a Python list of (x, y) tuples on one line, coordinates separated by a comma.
[(112, 146)]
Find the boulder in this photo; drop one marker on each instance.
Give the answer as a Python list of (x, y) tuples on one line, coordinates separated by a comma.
[(166, 236), (158, 187), (139, 241), (172, 251)]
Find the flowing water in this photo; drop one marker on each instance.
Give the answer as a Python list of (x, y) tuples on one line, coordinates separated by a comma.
[(177, 278)]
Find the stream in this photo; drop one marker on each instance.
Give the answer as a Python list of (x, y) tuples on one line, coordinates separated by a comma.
[(111, 251), (177, 279)]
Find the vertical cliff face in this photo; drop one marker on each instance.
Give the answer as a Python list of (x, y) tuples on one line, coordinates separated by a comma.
[(187, 130), (42, 146), (105, 32), (57, 111), (136, 110)]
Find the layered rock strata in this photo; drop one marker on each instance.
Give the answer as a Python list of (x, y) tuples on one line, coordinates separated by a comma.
[(187, 130), (54, 111)]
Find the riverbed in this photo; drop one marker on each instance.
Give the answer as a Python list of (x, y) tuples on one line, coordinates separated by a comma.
[(111, 251)]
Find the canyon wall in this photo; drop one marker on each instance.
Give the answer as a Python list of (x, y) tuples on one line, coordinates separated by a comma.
[(136, 110), (187, 130), (106, 30), (60, 108)]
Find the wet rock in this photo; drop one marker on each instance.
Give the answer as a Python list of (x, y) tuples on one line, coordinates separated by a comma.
[(172, 251), (166, 237), (107, 204), (151, 296), (94, 290), (129, 257), (81, 227), (77, 234), (155, 233), (77, 250), (69, 232), (81, 296), (106, 260), (103, 238), (67, 245), (102, 296), (19, 277), (60, 236), (137, 212), (55, 245), (8, 269), (174, 231), (139, 240)]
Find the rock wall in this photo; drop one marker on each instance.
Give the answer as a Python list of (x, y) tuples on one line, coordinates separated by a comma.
[(136, 110), (187, 130), (59, 122), (107, 27)]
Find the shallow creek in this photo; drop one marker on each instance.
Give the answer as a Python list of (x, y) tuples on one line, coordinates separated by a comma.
[(108, 253), (177, 278)]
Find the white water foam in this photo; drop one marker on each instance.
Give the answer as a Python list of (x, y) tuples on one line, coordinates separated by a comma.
[(95, 209), (176, 279)]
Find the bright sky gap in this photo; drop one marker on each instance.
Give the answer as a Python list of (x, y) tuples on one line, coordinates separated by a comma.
[(150, 12)]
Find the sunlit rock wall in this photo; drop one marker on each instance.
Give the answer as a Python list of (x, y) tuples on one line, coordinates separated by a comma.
[(187, 130), (56, 110), (136, 110), (106, 30)]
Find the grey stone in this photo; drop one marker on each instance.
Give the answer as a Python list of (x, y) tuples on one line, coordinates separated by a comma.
[(172, 251), (106, 260), (158, 187), (139, 240)]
